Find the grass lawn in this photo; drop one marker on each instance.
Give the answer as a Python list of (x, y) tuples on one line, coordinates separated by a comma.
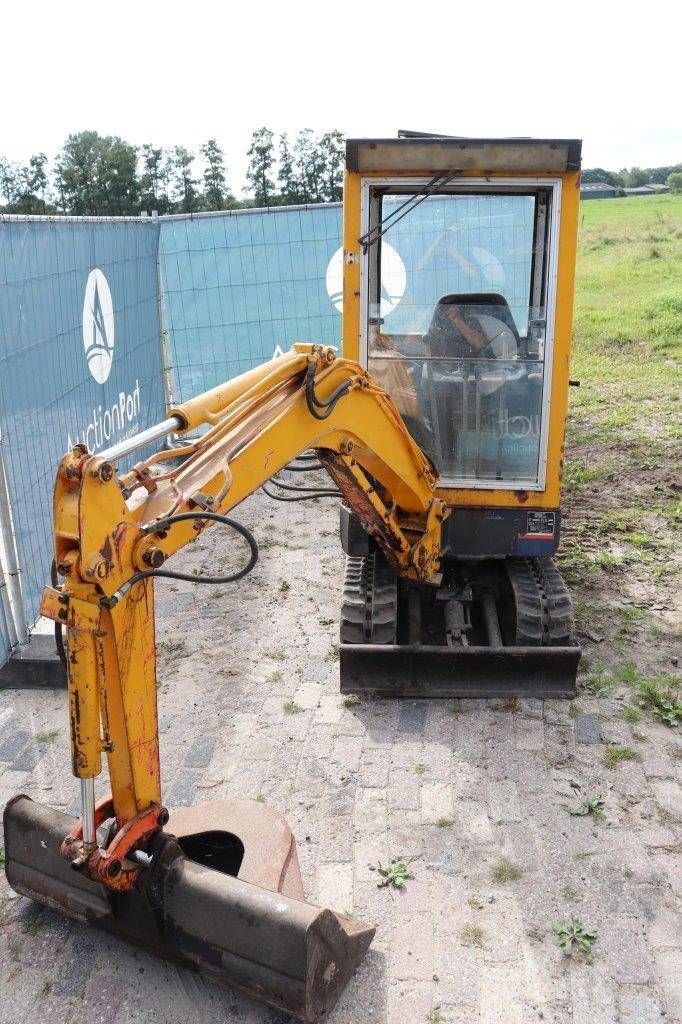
[(622, 507)]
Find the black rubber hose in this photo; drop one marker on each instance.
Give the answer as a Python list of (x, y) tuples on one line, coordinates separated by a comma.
[(314, 403), (165, 524), (300, 497), (58, 627), (302, 489)]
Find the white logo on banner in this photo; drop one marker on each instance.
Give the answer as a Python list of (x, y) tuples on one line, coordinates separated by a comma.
[(393, 279), (98, 325)]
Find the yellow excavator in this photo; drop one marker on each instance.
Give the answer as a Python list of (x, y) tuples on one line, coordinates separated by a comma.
[(444, 436)]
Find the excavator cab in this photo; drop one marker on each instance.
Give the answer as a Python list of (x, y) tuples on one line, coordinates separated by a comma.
[(459, 262)]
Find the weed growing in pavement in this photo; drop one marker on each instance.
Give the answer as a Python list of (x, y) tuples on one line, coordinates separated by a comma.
[(574, 937), (445, 823), (615, 755), (472, 935), (292, 708), (664, 703), (395, 874), (504, 871), (420, 769), (593, 805), (599, 684), (47, 737)]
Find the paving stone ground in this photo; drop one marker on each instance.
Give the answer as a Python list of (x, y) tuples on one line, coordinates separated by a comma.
[(454, 786)]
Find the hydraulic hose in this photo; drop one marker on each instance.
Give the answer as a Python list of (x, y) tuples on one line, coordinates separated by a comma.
[(167, 523)]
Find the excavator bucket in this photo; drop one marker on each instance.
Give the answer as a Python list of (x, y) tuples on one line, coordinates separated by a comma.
[(222, 894)]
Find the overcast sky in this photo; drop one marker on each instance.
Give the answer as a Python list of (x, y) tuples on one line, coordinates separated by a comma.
[(180, 73)]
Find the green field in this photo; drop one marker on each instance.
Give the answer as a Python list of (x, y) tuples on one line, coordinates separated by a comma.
[(620, 549)]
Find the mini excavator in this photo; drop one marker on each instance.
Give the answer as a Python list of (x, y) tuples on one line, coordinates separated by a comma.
[(444, 436)]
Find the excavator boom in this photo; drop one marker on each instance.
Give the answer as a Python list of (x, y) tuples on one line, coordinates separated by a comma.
[(219, 888)]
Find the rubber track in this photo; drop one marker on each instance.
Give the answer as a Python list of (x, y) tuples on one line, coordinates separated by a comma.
[(559, 626), (544, 612), (528, 602), (369, 610)]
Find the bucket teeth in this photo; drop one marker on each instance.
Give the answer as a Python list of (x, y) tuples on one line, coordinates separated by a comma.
[(276, 948)]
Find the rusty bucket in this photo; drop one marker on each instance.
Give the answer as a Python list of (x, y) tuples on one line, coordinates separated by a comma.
[(222, 893)]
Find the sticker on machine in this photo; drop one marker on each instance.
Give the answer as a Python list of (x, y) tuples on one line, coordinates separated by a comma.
[(539, 525), (393, 279)]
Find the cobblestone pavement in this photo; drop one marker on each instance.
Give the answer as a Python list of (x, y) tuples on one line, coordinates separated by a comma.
[(477, 793)]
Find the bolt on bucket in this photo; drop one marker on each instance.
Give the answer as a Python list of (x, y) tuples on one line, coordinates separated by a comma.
[(265, 942)]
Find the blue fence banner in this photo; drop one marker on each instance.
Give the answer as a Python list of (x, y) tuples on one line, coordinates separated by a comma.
[(80, 359), (239, 286)]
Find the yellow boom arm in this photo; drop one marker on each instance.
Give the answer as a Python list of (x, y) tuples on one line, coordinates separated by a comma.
[(109, 529)]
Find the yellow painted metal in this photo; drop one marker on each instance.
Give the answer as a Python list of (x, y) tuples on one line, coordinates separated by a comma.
[(102, 539), (202, 408), (352, 328), (83, 703)]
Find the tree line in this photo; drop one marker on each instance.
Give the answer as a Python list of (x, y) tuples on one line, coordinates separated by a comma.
[(635, 177), (103, 175)]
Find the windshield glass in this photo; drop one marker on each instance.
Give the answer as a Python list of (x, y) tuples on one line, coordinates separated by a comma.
[(456, 328)]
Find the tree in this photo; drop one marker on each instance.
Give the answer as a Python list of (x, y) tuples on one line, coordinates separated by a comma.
[(285, 177), (156, 178), (317, 167), (592, 174), (660, 175), (97, 175), (332, 151), (305, 167), (8, 181), (674, 181), (31, 185), (216, 194), (635, 177), (259, 171), (185, 185)]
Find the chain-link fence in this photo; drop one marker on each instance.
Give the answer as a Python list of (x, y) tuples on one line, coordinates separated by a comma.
[(239, 285), (79, 361)]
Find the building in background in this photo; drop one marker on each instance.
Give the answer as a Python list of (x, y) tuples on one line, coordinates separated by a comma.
[(597, 190), (652, 189)]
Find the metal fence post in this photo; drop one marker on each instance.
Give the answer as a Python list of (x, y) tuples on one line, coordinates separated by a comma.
[(17, 625), (166, 364)]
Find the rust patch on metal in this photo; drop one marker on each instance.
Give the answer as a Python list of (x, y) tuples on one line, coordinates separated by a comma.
[(270, 858), (360, 503), (111, 866)]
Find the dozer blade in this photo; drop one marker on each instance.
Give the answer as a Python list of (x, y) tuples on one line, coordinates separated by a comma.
[(268, 944), (386, 670)]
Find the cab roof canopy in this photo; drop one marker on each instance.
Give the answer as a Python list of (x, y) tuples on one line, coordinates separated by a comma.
[(445, 154)]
